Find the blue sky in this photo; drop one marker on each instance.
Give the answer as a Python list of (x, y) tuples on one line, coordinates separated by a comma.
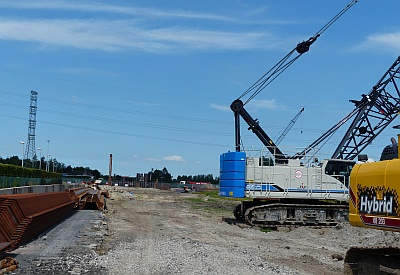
[(151, 81)]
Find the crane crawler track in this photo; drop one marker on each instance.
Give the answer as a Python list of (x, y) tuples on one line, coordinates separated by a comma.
[(280, 214), (372, 260)]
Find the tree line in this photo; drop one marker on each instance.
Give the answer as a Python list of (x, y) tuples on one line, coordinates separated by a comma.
[(52, 165)]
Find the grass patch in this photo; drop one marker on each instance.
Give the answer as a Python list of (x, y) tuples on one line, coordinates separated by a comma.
[(209, 193), (194, 199), (215, 194), (265, 229), (201, 199)]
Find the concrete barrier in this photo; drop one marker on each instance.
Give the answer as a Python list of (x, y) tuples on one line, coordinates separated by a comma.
[(7, 191), (38, 189)]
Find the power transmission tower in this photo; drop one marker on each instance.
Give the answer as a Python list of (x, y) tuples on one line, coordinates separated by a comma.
[(30, 145)]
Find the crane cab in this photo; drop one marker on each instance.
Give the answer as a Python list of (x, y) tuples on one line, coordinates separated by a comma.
[(339, 169)]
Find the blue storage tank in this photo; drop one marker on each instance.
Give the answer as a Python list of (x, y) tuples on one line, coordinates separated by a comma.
[(233, 192), (232, 183), (232, 174), (233, 156), (232, 166)]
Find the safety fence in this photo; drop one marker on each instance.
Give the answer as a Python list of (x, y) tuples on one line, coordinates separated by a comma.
[(196, 187), (48, 188), (9, 182), (168, 186), (156, 185)]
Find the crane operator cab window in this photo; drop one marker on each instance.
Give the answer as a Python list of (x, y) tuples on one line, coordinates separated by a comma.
[(340, 169)]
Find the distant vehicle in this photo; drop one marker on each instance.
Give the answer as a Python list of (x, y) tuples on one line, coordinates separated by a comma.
[(197, 182)]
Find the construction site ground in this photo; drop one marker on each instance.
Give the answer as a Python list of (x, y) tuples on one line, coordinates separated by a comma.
[(150, 231)]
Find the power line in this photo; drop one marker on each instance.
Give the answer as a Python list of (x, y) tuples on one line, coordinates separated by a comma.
[(124, 111), (119, 133), (146, 125)]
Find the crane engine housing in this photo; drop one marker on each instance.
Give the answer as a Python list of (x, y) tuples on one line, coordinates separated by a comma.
[(374, 193), (375, 203)]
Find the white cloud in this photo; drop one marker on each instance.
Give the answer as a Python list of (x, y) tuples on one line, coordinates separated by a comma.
[(124, 35), (147, 104), (152, 159), (98, 7), (388, 39), (383, 41), (220, 107), (174, 158), (269, 104)]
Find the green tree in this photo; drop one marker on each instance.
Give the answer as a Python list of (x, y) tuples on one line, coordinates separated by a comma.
[(162, 176)]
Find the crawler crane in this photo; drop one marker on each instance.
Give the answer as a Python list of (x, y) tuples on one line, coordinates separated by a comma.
[(280, 185)]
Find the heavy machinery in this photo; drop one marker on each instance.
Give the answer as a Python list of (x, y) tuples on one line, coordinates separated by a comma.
[(277, 183), (297, 189), (375, 203), (289, 189)]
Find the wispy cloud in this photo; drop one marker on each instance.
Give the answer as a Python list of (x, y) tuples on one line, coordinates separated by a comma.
[(152, 159), (125, 35), (140, 103), (247, 14), (106, 8), (387, 41), (220, 107), (174, 158), (269, 104), (137, 28)]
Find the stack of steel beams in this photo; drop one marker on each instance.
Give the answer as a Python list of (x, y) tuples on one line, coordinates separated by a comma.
[(93, 200), (88, 198), (25, 216), (77, 195)]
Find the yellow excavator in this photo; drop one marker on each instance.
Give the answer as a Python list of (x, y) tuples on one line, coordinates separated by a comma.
[(375, 203)]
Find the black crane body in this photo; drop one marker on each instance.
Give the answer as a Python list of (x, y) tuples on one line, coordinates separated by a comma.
[(254, 126)]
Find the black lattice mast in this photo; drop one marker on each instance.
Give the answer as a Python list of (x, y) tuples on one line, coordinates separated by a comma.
[(375, 111), (30, 152), (372, 114)]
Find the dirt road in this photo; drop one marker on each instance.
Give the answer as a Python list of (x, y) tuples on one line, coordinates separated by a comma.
[(151, 231), (164, 232)]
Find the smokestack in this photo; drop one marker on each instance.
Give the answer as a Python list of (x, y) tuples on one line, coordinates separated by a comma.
[(110, 171)]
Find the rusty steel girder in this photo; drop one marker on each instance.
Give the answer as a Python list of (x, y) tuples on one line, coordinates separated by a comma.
[(25, 216)]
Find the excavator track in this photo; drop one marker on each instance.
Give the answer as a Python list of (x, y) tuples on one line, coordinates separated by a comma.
[(280, 214), (372, 260)]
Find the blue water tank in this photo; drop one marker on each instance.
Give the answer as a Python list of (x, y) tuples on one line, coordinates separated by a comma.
[(233, 192), (232, 174)]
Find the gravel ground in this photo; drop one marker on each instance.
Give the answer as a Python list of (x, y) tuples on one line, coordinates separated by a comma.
[(149, 231)]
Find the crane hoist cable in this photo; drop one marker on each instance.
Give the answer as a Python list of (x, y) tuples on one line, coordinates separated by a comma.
[(285, 62)]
